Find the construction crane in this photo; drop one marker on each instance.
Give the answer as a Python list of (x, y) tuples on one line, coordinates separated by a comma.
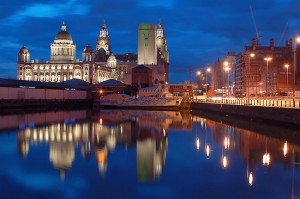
[(283, 33), (258, 36)]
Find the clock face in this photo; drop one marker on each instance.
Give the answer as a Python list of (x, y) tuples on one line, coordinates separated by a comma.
[(102, 42)]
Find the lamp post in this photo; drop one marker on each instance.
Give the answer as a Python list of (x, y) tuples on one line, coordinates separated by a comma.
[(198, 78), (227, 69), (251, 55), (295, 63), (206, 84), (267, 75), (287, 78)]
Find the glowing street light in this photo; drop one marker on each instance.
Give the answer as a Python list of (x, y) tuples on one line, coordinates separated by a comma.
[(297, 42), (287, 78), (227, 69), (208, 70), (267, 75)]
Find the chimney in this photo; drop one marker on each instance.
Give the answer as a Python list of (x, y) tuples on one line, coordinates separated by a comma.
[(272, 43)]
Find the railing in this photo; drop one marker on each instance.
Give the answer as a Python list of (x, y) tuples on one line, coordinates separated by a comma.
[(279, 103)]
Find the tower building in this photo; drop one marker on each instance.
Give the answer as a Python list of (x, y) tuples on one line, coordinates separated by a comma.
[(147, 49), (161, 44), (103, 40)]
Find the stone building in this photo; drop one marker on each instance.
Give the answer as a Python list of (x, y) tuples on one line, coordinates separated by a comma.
[(96, 65), (63, 64)]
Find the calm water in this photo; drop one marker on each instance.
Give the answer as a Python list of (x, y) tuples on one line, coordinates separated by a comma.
[(142, 154)]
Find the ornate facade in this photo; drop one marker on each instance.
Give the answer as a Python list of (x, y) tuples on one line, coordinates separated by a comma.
[(95, 66)]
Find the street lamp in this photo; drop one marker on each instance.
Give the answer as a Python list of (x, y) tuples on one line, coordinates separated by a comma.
[(199, 83), (267, 75), (297, 41), (287, 78), (251, 55), (207, 71), (227, 69)]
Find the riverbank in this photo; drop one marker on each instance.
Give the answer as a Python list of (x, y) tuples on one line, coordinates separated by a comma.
[(290, 116)]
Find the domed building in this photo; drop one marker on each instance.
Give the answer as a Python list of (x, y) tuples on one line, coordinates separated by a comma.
[(63, 64), (97, 65), (62, 49)]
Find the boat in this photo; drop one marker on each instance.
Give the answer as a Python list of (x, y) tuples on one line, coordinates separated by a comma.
[(155, 97)]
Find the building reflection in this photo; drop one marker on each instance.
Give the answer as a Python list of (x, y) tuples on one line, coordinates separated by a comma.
[(98, 135), (258, 145)]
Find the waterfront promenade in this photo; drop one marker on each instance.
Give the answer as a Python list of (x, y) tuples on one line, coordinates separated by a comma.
[(265, 102), (271, 110)]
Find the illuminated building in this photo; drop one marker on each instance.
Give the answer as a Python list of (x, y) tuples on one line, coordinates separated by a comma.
[(96, 65), (63, 64), (261, 77), (153, 52)]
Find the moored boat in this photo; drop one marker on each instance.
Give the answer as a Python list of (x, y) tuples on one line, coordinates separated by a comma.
[(149, 97)]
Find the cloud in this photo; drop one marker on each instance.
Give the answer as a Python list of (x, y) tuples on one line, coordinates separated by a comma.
[(50, 10), (198, 32)]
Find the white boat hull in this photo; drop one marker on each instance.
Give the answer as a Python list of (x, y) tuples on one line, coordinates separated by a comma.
[(122, 101)]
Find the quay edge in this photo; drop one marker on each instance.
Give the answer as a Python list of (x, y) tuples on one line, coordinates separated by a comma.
[(270, 114)]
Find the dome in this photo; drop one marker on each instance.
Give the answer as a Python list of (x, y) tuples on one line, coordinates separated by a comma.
[(112, 57), (88, 49), (23, 50), (63, 35)]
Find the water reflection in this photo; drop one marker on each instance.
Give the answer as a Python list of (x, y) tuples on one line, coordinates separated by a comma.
[(146, 130), (253, 141), (161, 145)]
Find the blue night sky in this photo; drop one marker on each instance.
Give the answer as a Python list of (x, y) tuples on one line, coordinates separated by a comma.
[(198, 31)]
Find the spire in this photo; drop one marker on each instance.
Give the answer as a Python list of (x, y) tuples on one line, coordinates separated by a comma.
[(103, 25), (63, 26), (160, 24)]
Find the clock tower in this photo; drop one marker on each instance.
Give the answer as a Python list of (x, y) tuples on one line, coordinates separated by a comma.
[(161, 44), (103, 40)]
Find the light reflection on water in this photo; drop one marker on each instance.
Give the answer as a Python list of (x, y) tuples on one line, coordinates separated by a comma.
[(134, 154)]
